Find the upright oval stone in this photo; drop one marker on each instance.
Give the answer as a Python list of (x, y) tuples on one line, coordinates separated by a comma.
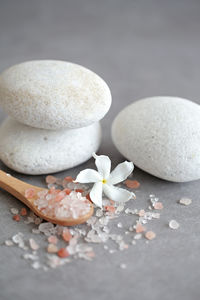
[(53, 94), (161, 135)]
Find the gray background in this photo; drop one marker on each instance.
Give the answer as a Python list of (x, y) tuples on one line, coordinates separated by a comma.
[(141, 48)]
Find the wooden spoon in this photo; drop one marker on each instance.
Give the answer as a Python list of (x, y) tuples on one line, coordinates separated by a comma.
[(17, 188)]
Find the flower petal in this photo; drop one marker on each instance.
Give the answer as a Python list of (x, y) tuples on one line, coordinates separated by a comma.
[(96, 194), (121, 172), (117, 194), (88, 175), (103, 164)]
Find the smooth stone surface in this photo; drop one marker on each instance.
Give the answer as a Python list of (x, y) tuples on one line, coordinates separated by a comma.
[(52, 94), (38, 151), (161, 135)]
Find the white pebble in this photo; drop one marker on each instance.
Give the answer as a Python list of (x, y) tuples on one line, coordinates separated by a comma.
[(161, 135)]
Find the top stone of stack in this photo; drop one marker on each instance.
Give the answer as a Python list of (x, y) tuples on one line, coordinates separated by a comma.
[(52, 94)]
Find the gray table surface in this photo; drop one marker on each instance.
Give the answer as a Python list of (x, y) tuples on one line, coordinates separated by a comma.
[(141, 48)]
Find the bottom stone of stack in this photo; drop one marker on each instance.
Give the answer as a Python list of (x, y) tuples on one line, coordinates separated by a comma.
[(39, 151)]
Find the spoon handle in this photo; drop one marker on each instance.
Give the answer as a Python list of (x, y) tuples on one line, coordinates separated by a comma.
[(13, 185)]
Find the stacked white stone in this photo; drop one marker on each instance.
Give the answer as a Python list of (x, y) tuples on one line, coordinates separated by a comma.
[(54, 110)]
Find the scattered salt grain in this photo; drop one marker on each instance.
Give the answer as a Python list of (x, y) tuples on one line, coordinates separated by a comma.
[(33, 244), (119, 225), (63, 253), (158, 205), (36, 265), (138, 236), (16, 218), (8, 243), (50, 179), (150, 235), (35, 231), (52, 239), (23, 211), (14, 211), (173, 224), (185, 201), (132, 184), (123, 266), (52, 248), (139, 228)]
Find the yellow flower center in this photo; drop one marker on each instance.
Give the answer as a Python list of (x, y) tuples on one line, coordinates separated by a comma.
[(104, 181)]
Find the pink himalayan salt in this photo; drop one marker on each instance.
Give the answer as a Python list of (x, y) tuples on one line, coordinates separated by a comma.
[(63, 253), (30, 193), (110, 208), (141, 213), (59, 205), (23, 211), (66, 235), (150, 235), (158, 205), (68, 178), (16, 218), (51, 179), (52, 239), (139, 228), (132, 184), (51, 248), (33, 244)]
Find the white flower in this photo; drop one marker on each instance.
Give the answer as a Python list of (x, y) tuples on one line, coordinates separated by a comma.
[(104, 180)]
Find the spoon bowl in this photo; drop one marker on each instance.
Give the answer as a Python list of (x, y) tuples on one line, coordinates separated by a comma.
[(18, 187)]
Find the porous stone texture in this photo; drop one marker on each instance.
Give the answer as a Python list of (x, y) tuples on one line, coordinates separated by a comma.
[(161, 135), (53, 94), (39, 151)]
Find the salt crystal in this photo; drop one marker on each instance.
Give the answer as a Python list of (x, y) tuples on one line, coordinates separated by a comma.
[(158, 205), (52, 239), (52, 248), (36, 265), (119, 225), (119, 209), (46, 227), (14, 211), (18, 239), (37, 221), (141, 213), (33, 244), (133, 242), (185, 201), (51, 179), (99, 213), (138, 236), (30, 193), (123, 266), (139, 228), (150, 235), (35, 231), (8, 243), (30, 256), (132, 184), (173, 224), (111, 251), (131, 228), (105, 247)]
